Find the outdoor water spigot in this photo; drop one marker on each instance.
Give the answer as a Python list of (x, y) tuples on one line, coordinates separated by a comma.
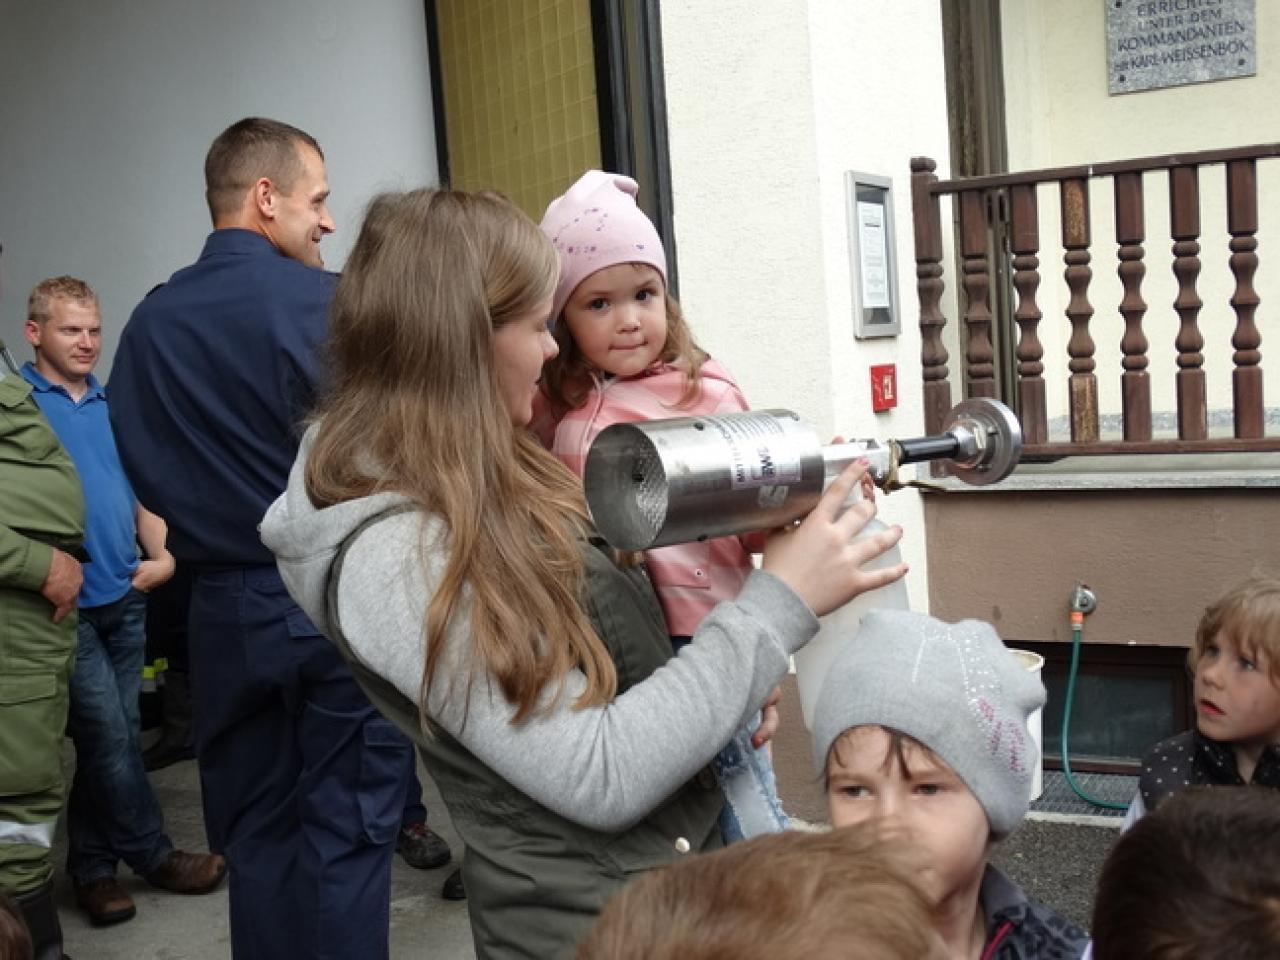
[(659, 482), (1083, 600)]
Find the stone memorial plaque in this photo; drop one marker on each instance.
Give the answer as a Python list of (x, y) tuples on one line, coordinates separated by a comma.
[(1165, 43)]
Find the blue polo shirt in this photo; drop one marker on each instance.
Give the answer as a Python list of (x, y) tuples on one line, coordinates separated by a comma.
[(110, 507)]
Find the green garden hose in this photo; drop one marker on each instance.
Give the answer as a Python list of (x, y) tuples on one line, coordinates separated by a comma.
[(1077, 637)]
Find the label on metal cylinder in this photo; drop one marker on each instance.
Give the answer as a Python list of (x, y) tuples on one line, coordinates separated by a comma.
[(772, 497), (762, 452)]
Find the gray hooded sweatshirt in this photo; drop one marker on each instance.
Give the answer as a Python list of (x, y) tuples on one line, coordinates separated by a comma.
[(604, 767)]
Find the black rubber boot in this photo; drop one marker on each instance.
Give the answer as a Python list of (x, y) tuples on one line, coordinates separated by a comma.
[(453, 888), (41, 915), (175, 741)]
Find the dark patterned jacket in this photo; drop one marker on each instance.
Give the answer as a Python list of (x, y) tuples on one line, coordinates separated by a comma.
[(1018, 928), (1192, 759)]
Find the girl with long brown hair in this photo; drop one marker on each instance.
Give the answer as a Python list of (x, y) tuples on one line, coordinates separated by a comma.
[(452, 560)]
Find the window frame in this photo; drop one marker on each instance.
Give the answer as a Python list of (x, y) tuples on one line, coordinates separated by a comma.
[(1114, 660), (631, 99)]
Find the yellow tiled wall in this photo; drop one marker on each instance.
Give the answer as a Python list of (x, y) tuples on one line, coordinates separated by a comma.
[(520, 96)]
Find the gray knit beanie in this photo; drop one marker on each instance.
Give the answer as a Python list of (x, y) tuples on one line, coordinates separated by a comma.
[(954, 687)]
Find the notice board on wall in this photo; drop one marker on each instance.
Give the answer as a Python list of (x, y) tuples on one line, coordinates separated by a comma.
[(873, 264)]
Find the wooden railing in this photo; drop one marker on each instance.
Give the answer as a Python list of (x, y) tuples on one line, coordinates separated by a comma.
[(1012, 199)]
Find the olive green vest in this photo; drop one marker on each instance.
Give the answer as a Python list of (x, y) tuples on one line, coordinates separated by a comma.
[(535, 881), (40, 494)]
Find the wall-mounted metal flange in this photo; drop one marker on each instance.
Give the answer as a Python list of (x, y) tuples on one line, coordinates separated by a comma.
[(989, 439)]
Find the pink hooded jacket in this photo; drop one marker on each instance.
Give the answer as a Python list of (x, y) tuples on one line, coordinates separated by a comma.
[(690, 578)]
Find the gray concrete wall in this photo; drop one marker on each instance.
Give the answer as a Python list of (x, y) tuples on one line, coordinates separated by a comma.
[(107, 109)]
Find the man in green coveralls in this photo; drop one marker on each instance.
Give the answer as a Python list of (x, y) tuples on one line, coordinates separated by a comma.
[(41, 527)]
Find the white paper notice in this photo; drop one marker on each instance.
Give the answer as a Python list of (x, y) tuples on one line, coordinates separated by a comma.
[(874, 253)]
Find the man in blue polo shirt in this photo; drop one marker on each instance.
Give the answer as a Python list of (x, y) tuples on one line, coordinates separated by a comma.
[(112, 813)]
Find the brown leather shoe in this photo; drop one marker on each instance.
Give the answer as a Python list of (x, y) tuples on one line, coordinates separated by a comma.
[(105, 901), (189, 872)]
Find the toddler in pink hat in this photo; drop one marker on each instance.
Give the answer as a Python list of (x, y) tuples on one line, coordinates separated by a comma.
[(627, 355)]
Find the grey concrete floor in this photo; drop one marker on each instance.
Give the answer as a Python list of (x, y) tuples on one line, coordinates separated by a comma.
[(173, 927), (1055, 861), (1058, 862)]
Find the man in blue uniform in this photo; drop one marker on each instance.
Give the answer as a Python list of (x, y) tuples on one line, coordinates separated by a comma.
[(303, 781), (112, 813)]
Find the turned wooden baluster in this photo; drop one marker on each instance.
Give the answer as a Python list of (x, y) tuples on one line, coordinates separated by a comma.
[(1075, 239), (977, 288), (1024, 241), (1135, 383), (927, 223), (1242, 224), (1184, 221)]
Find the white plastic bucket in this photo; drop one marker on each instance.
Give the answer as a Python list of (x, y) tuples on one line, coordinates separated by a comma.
[(1035, 723), (813, 661)]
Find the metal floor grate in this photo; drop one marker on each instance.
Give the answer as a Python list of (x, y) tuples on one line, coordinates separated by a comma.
[(1058, 797)]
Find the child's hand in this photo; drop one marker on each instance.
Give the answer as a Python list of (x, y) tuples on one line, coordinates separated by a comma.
[(819, 559), (769, 720), (868, 481)]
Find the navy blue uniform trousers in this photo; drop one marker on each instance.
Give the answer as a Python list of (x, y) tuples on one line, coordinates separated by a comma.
[(304, 782)]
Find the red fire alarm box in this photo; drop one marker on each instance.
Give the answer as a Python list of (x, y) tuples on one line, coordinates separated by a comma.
[(884, 387)]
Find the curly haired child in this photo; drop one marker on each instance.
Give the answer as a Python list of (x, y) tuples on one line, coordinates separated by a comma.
[(1236, 739)]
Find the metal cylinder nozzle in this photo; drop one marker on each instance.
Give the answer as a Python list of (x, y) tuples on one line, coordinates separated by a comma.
[(658, 482)]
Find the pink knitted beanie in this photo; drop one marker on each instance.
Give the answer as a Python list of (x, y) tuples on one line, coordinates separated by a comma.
[(596, 224)]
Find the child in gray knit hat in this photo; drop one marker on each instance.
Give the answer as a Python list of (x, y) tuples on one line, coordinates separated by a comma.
[(922, 724)]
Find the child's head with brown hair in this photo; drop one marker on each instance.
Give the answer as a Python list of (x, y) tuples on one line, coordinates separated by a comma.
[(1195, 880), (879, 775), (15, 939), (782, 896), (1250, 615), (1236, 661), (612, 313)]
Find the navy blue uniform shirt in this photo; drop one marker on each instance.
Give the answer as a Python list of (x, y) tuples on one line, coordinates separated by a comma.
[(213, 375)]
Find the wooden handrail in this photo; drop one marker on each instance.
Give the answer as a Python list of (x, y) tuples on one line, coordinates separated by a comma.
[(1108, 169)]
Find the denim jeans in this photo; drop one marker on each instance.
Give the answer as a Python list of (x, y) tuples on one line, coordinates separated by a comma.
[(112, 813), (745, 774)]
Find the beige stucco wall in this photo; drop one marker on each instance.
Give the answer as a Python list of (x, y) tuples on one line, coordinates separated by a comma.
[(1055, 57), (744, 170), (1059, 113), (768, 105), (1155, 558)]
